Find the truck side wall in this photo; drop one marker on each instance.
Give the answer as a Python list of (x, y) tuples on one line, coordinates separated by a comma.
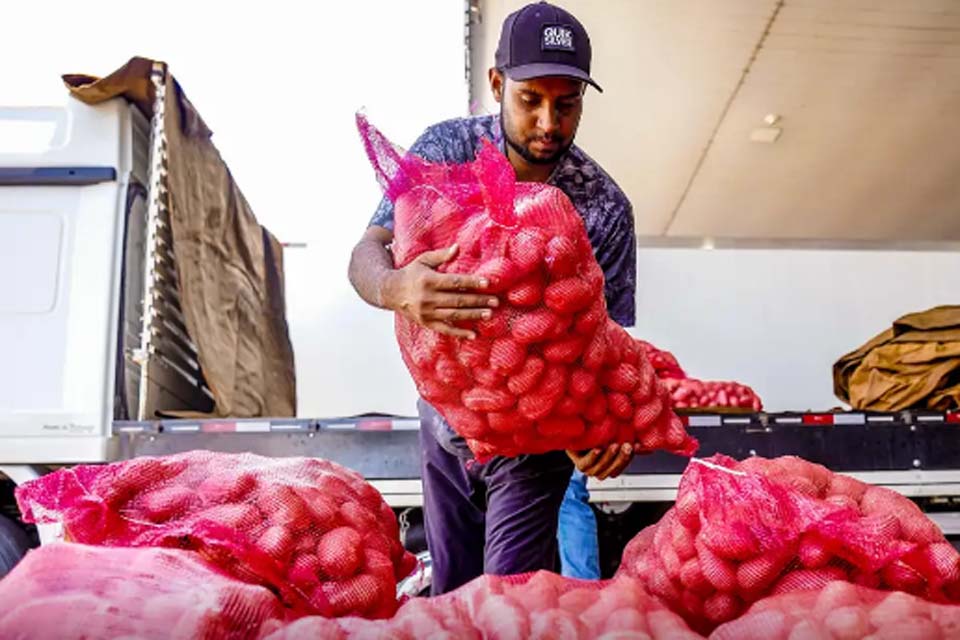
[(778, 319)]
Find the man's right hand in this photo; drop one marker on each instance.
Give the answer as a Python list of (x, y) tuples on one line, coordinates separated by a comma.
[(438, 300)]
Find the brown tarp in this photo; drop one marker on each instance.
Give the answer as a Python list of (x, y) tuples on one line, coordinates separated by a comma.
[(230, 267), (914, 364)]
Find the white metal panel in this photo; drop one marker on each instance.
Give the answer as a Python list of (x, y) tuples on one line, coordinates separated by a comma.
[(56, 385), (777, 319), (29, 243)]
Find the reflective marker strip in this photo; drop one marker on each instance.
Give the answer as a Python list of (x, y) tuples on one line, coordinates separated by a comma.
[(706, 421), (290, 427), (218, 427), (183, 427), (132, 429), (252, 427), (375, 425)]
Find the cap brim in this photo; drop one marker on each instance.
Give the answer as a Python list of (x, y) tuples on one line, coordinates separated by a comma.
[(544, 69)]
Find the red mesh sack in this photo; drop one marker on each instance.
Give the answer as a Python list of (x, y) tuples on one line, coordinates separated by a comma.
[(664, 362), (541, 605), (549, 370), (844, 611), (742, 531), (689, 393), (78, 592), (314, 531)]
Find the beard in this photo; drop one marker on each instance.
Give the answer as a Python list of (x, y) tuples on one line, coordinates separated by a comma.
[(525, 152)]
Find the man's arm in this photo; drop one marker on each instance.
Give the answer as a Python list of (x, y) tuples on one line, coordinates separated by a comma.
[(617, 257), (432, 299), (371, 264)]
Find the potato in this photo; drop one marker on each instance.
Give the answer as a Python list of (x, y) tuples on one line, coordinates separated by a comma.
[(660, 584), (166, 503), (277, 542), (765, 625), (896, 606), (721, 607), (353, 596), (847, 623), (718, 572), (670, 560), (625, 620), (225, 488), (285, 508), (578, 600), (666, 624), (237, 516), (358, 517), (304, 570), (807, 630), (340, 553), (912, 628), (556, 624), (813, 554), (688, 510), (730, 540), (945, 560), (541, 592), (680, 537), (807, 580), (691, 576), (837, 595), (761, 572), (503, 617), (841, 485)]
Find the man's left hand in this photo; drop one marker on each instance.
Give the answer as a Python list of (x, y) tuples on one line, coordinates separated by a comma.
[(603, 463)]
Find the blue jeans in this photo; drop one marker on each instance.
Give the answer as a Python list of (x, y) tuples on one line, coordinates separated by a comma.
[(577, 532)]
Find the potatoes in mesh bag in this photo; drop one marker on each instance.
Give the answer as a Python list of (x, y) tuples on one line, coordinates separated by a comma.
[(740, 532), (72, 591), (844, 611), (541, 606), (521, 386), (312, 530)]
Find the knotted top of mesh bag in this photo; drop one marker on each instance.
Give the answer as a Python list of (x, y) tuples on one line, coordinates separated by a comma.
[(489, 181)]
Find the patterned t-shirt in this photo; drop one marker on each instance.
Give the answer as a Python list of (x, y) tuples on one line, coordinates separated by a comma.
[(605, 210)]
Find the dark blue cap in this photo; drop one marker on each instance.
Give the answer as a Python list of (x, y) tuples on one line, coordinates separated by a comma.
[(544, 40)]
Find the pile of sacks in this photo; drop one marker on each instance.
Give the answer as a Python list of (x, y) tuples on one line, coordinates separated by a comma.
[(778, 548), (740, 532), (541, 606), (844, 611), (79, 592), (310, 530), (688, 393)]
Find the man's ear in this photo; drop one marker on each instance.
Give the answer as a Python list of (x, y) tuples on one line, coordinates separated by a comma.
[(496, 83)]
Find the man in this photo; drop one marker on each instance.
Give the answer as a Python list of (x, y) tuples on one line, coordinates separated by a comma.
[(501, 517)]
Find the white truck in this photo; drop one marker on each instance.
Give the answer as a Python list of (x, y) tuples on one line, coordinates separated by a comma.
[(94, 344)]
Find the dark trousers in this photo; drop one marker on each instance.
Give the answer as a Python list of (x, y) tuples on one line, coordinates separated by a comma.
[(497, 518)]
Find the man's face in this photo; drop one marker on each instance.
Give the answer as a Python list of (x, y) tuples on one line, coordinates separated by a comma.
[(539, 116)]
